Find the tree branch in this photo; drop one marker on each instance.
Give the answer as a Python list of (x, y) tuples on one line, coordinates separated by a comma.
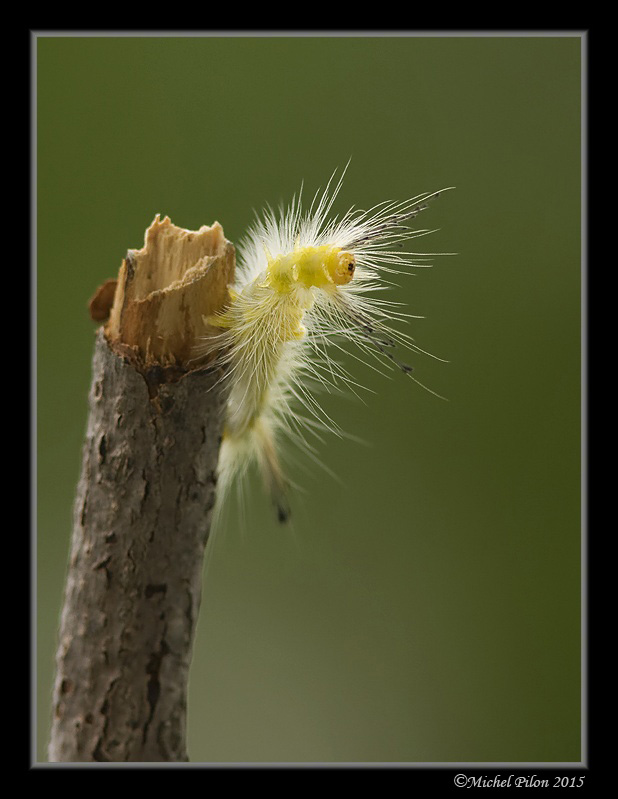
[(143, 506)]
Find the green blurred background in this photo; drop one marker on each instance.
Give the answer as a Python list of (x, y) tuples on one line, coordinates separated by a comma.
[(428, 607)]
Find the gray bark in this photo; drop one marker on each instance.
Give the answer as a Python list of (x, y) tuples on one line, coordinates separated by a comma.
[(141, 523)]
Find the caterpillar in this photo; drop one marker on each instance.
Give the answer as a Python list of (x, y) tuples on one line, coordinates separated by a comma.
[(305, 284)]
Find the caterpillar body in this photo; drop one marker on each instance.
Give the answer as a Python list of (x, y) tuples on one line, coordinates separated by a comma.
[(305, 283)]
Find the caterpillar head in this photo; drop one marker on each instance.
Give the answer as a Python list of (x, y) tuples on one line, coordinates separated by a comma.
[(341, 266)]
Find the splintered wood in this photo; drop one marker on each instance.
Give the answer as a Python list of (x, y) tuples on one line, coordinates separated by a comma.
[(163, 293)]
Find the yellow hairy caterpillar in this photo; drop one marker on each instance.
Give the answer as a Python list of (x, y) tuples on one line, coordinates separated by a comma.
[(304, 283)]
